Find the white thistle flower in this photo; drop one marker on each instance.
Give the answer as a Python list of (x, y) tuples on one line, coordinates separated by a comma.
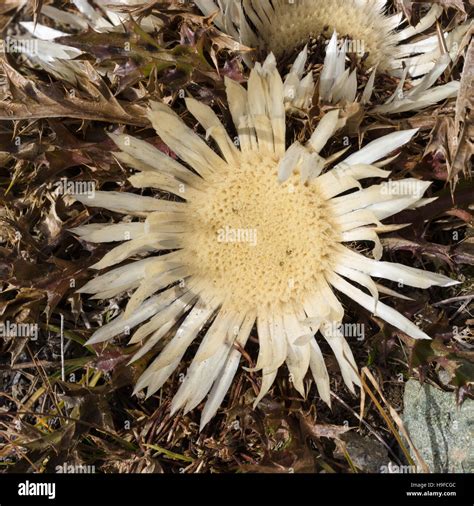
[(58, 59), (284, 27), (259, 238)]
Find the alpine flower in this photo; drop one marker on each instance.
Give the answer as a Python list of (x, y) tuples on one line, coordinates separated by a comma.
[(360, 27), (286, 26), (259, 235)]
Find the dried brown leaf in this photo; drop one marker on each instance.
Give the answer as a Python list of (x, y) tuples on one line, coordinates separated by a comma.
[(463, 135), (30, 100), (322, 429)]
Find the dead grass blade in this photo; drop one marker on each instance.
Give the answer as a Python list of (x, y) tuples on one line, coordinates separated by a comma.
[(396, 417)]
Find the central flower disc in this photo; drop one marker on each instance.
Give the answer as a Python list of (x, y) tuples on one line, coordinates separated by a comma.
[(256, 240), (299, 22)]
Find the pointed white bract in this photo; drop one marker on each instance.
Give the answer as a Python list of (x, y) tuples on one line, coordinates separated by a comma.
[(338, 85), (106, 19), (258, 242)]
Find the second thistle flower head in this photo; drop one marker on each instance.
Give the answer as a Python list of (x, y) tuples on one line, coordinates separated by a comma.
[(258, 237)]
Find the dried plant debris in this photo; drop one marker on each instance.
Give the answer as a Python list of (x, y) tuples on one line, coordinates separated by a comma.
[(169, 121)]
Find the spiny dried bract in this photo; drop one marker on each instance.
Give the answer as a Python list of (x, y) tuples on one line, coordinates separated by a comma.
[(257, 238)]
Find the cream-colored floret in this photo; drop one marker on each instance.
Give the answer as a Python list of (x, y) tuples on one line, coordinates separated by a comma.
[(260, 241), (295, 23)]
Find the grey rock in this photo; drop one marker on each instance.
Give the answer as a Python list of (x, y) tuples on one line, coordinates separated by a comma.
[(441, 431), (367, 454)]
